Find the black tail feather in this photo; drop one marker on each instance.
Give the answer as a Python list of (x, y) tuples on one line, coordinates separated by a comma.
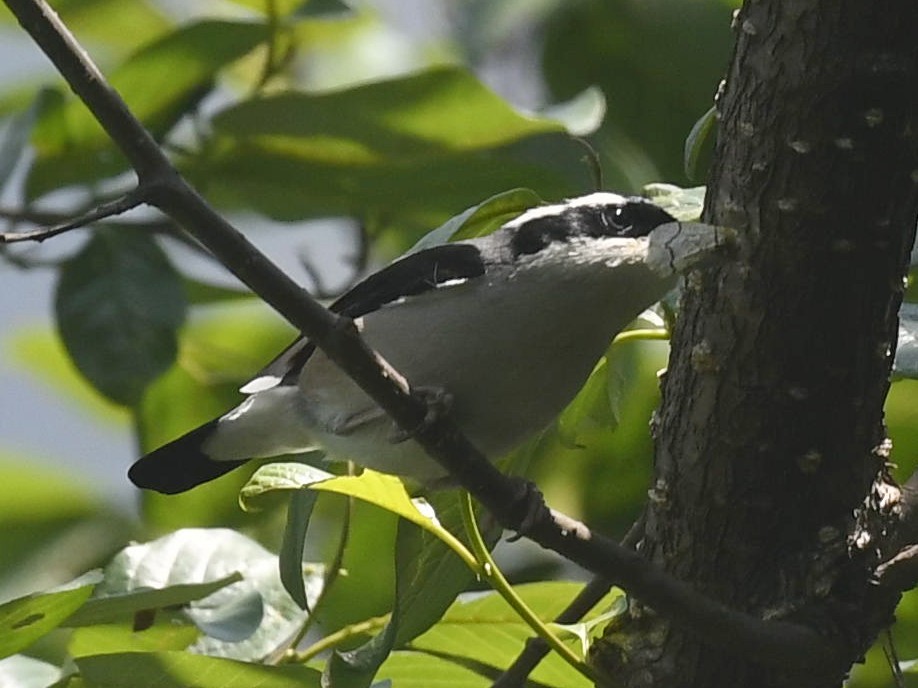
[(180, 465)]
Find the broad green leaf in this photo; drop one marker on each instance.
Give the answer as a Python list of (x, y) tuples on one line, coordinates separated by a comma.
[(598, 405), (683, 204), (695, 141), (905, 364), (26, 619), (398, 153), (117, 24), (280, 7), (429, 575), (485, 629), (278, 477), (656, 81), (20, 671), (581, 115), (433, 112), (107, 608), (480, 219), (181, 669), (367, 590), (246, 620), (161, 82), (168, 632), (119, 304), (406, 669), (401, 192), (591, 407), (384, 491)]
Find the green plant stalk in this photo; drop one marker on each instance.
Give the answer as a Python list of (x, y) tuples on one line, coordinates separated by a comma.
[(487, 569), (333, 640), (641, 334)]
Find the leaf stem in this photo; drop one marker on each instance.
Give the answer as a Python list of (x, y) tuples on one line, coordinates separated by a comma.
[(333, 640), (641, 334), (488, 570)]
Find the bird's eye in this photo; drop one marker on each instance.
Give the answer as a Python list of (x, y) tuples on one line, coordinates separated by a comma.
[(620, 219)]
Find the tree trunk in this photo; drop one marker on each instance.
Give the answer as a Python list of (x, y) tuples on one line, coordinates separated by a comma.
[(771, 489)]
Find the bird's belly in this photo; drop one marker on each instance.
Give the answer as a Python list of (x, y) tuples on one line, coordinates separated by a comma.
[(509, 381)]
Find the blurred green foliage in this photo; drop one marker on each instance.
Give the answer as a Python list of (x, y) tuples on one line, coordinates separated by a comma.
[(299, 110)]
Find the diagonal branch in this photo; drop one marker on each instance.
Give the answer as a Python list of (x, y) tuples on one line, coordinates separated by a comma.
[(782, 643)]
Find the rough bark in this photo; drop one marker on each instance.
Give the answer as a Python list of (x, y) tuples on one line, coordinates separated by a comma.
[(771, 489)]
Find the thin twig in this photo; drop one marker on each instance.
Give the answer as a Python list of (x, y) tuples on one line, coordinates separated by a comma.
[(129, 201)]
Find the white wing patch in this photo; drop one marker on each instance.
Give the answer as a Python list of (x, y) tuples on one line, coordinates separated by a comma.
[(260, 384)]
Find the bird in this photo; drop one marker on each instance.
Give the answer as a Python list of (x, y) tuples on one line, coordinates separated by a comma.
[(506, 328)]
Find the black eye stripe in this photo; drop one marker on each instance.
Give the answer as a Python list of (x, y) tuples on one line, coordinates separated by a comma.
[(636, 218)]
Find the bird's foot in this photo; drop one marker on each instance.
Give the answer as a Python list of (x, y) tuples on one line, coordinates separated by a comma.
[(438, 402), (528, 507)]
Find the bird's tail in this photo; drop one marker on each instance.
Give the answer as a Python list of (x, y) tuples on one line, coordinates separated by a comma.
[(181, 464)]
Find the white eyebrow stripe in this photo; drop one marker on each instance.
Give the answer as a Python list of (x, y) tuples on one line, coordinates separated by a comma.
[(599, 198)]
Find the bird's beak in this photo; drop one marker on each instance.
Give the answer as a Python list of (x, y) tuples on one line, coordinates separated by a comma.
[(675, 247)]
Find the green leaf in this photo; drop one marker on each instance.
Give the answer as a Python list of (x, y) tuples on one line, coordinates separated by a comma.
[(399, 152), (683, 204), (246, 620), (280, 7), (161, 82), (905, 364), (695, 141), (486, 629), (181, 669), (116, 24), (357, 668), (407, 669), (481, 219), (278, 477), (299, 512), (106, 608), (384, 491), (428, 577), (582, 115), (26, 619), (432, 112), (591, 407), (168, 632), (119, 304)]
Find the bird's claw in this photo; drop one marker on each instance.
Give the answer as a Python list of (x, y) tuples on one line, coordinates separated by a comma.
[(438, 402)]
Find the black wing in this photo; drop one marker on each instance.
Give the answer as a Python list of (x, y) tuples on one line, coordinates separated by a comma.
[(409, 276)]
